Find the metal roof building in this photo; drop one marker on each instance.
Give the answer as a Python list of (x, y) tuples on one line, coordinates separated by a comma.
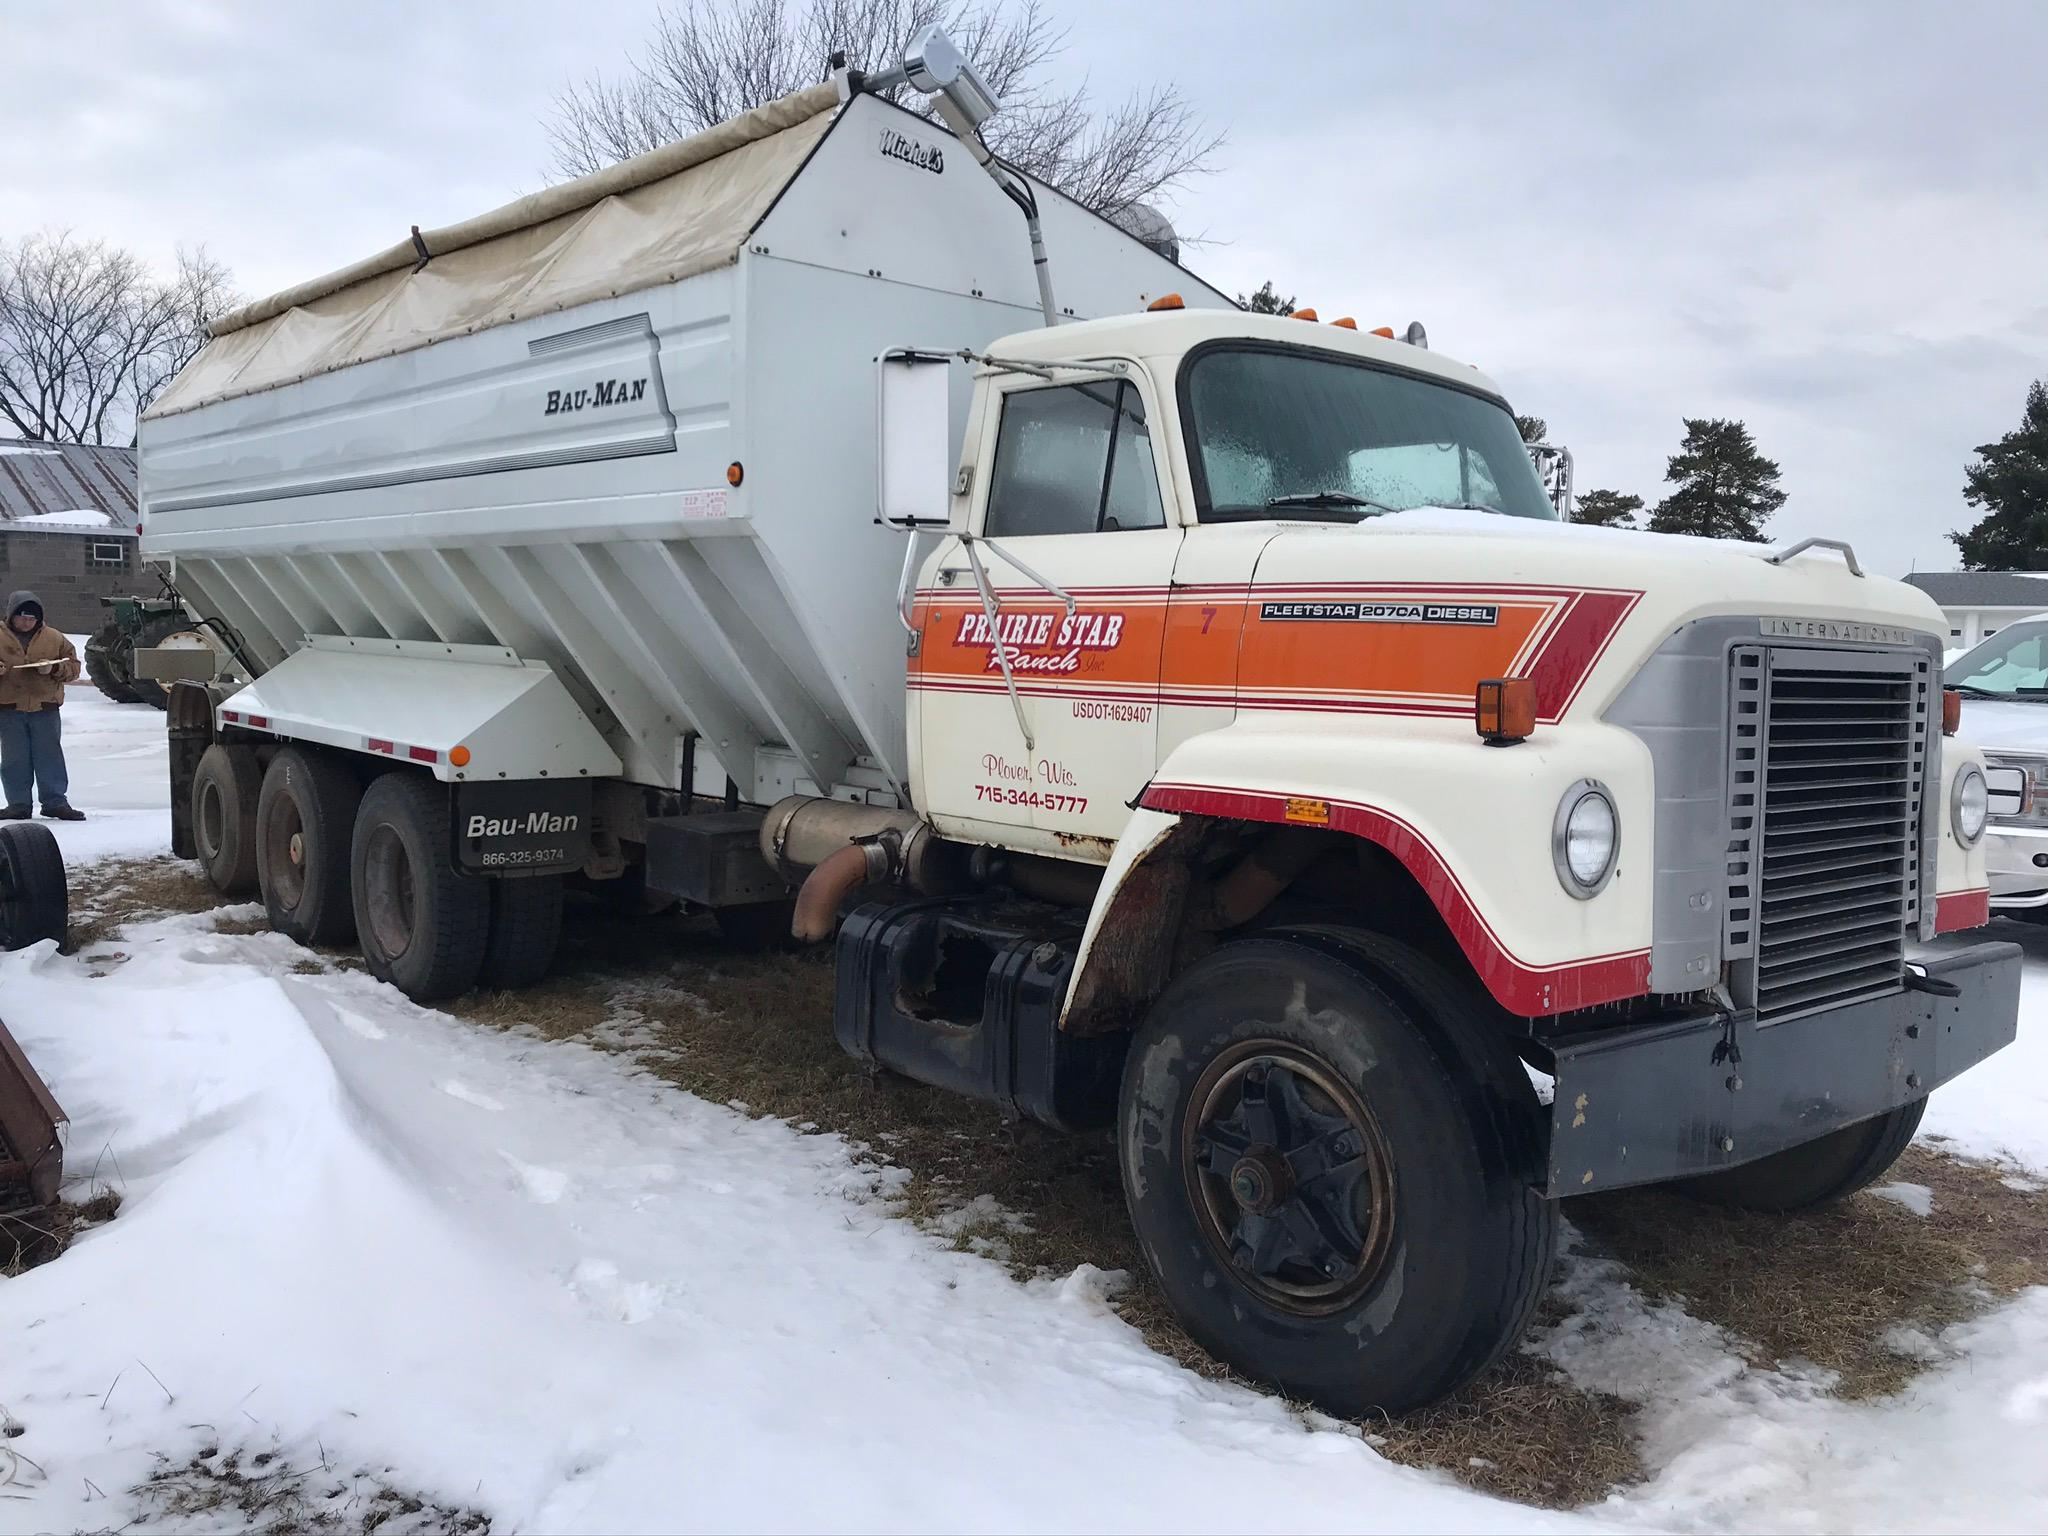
[(45, 484), (67, 528)]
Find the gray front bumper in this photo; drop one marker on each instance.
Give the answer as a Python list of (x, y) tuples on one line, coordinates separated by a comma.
[(1645, 1103)]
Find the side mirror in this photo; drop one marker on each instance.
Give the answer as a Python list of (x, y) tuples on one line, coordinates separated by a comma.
[(913, 439)]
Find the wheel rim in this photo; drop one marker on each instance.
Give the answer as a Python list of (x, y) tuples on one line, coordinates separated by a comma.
[(213, 819), (1290, 1177), (284, 839), (388, 892)]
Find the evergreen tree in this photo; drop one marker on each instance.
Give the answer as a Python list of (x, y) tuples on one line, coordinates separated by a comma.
[(2010, 482), (1267, 302), (1726, 489), (1534, 429), (1607, 509)]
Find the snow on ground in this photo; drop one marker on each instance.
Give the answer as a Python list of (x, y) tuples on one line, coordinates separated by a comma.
[(524, 1277), (115, 753)]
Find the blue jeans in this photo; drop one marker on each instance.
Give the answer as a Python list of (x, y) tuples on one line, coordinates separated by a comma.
[(32, 755)]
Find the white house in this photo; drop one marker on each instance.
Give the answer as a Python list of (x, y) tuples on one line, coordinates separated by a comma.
[(1980, 603)]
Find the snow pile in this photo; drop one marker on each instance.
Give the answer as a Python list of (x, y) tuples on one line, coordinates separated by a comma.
[(1732, 1446), (528, 1279), (23, 449)]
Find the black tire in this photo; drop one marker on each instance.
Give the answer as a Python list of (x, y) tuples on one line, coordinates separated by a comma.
[(1441, 1243), (107, 657), (35, 900), (526, 927), (155, 630), (758, 927), (225, 789), (305, 817), (423, 927), (1818, 1173)]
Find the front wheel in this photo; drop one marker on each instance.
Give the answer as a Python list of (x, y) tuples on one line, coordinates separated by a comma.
[(1328, 1160), (1815, 1173), (424, 927)]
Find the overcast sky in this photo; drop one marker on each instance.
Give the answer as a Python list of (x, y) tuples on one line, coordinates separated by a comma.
[(1828, 220)]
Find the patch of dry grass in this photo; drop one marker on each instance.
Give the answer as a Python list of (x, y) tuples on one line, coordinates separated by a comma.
[(115, 891), (1826, 1287), (37, 1235), (265, 1493)]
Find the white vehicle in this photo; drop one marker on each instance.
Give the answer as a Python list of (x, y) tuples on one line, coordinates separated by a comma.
[(2004, 685), (750, 521)]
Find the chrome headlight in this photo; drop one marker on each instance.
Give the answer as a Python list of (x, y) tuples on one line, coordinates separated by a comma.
[(1969, 805), (1585, 838)]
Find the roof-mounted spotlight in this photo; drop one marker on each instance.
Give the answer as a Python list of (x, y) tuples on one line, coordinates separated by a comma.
[(934, 66)]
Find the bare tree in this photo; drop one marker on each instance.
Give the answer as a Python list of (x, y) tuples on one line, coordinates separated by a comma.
[(709, 60), (89, 336)]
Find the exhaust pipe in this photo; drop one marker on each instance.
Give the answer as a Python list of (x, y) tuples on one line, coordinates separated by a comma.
[(835, 846)]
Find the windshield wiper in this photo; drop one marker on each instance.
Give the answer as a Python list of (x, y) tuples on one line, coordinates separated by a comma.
[(1340, 506), (1327, 499), (1974, 691)]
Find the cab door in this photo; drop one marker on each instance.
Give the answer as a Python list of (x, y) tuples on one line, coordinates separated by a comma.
[(1073, 498)]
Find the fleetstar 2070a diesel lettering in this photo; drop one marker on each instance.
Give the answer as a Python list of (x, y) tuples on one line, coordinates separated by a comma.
[(1180, 719)]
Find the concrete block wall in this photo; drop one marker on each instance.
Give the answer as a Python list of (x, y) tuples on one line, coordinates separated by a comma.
[(60, 569)]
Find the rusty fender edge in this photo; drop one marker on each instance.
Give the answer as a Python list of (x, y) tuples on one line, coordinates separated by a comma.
[(30, 1153), (1646, 1103)]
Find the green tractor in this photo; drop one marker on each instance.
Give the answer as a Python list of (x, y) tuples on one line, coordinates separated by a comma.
[(134, 622)]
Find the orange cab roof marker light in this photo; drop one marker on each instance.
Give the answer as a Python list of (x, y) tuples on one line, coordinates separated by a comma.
[(1303, 314), (1347, 322), (1384, 330), (1166, 301)]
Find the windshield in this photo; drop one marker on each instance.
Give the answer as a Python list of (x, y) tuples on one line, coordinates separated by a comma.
[(1296, 434), (2012, 664)]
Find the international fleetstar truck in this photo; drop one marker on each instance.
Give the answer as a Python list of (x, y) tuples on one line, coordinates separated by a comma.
[(1180, 719)]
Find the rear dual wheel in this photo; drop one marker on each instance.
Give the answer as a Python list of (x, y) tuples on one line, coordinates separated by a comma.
[(428, 929), (305, 815), (337, 864)]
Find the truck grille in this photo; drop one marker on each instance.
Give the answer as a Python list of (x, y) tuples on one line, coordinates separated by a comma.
[(1828, 756)]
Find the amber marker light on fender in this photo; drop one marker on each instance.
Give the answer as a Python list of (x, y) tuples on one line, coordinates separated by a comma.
[(1504, 710)]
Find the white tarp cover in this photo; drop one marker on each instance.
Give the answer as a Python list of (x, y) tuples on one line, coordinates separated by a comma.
[(658, 218)]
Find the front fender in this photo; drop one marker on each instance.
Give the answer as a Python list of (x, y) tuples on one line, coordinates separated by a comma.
[(1962, 881), (1471, 823)]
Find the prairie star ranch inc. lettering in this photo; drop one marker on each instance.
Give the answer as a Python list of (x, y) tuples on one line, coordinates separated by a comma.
[(604, 392), (1042, 642)]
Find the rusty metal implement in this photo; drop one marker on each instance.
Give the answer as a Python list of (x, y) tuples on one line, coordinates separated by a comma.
[(31, 1157)]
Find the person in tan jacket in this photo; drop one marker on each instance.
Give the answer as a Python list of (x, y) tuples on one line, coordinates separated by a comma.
[(36, 662)]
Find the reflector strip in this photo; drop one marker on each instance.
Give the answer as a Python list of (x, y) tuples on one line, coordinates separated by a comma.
[(423, 754), (379, 746)]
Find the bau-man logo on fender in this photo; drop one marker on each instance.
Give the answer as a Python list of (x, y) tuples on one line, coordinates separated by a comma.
[(1042, 642), (604, 392), (1383, 613)]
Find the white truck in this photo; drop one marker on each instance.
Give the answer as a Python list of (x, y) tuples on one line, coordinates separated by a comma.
[(1182, 720)]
